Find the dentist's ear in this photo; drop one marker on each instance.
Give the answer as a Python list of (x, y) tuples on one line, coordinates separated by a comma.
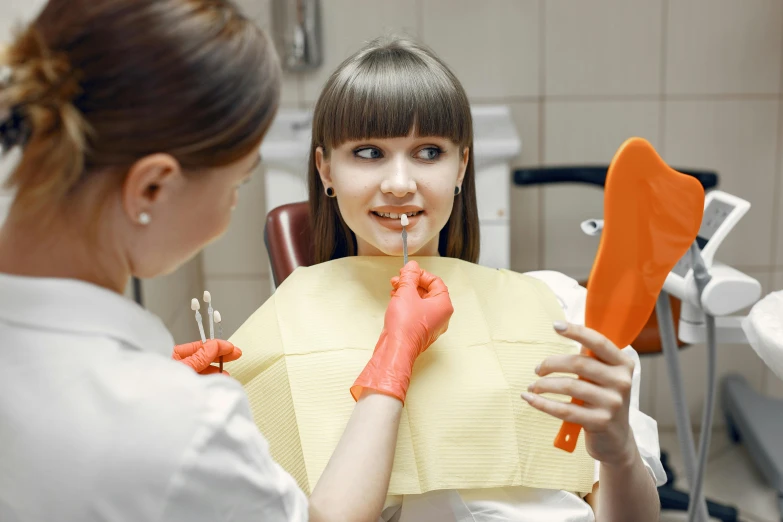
[(150, 182), (323, 166)]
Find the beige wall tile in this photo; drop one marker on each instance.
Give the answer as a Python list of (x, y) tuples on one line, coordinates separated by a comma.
[(349, 24), (584, 133), (492, 47), (241, 250), (183, 327), (525, 225), (603, 47), (237, 299), (724, 46), (777, 221), (167, 296), (738, 139)]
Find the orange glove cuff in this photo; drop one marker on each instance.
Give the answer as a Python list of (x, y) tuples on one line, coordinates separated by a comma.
[(388, 371)]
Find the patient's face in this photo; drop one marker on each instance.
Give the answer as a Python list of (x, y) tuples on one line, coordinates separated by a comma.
[(377, 180)]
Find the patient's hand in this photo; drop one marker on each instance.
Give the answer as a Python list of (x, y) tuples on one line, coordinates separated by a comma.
[(200, 356), (605, 390)]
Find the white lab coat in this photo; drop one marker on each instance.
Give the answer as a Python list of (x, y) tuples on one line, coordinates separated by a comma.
[(97, 423), (520, 504)]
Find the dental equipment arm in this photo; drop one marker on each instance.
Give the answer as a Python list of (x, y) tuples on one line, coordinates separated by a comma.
[(354, 485)]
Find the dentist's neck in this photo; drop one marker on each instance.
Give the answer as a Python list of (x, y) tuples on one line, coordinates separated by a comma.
[(67, 246)]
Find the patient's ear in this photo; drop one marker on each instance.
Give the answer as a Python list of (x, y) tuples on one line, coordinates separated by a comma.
[(323, 166), (463, 165)]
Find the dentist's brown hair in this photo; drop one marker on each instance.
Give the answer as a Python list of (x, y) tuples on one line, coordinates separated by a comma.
[(96, 85)]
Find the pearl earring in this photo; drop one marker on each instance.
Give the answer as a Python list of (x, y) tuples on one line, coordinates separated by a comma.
[(144, 218)]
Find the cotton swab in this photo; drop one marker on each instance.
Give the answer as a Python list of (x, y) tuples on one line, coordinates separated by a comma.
[(208, 300), (195, 306), (218, 323), (404, 222)]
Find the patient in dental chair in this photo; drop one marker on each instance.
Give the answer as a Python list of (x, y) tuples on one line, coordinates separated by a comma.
[(392, 135)]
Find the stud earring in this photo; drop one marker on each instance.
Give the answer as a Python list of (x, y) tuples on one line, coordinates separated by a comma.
[(330, 192), (457, 190), (144, 218)]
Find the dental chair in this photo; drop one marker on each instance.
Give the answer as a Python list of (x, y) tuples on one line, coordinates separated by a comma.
[(287, 240)]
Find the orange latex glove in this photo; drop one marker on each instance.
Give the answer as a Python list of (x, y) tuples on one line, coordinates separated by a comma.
[(417, 315), (200, 356)]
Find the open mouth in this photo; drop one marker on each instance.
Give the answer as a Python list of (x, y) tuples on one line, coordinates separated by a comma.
[(392, 215)]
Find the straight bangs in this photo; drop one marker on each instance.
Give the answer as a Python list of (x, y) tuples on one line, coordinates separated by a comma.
[(391, 93)]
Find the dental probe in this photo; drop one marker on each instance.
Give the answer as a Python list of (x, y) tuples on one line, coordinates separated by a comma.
[(404, 222)]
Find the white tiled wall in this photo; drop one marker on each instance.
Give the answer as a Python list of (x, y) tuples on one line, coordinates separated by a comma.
[(493, 48), (700, 79), (602, 47), (723, 47)]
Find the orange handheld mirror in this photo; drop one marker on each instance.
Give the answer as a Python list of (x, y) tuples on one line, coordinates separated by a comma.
[(652, 214)]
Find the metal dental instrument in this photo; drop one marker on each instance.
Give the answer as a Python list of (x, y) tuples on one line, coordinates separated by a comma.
[(195, 306), (404, 222)]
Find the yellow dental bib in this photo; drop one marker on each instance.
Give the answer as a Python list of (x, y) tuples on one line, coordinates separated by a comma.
[(464, 425)]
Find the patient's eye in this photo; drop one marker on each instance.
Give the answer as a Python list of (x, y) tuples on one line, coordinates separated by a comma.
[(367, 153), (429, 153)]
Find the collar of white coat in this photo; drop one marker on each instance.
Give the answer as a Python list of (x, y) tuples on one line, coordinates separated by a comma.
[(68, 305)]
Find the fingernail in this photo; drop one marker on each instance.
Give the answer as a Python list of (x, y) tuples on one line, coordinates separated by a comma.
[(538, 369), (560, 326), (528, 397), (530, 387)]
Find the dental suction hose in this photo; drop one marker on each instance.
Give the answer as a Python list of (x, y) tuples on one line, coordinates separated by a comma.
[(694, 469), (684, 432), (702, 277)]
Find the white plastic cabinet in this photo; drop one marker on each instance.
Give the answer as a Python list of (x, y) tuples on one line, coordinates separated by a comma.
[(496, 142)]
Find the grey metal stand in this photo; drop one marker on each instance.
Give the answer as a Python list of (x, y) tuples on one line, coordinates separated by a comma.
[(137, 294), (757, 421)]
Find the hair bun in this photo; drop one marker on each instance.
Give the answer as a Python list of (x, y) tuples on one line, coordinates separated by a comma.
[(37, 111), (44, 77)]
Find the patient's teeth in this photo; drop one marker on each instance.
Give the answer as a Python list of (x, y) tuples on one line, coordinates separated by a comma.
[(394, 216)]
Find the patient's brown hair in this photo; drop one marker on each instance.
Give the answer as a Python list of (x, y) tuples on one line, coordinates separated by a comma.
[(96, 85), (386, 90)]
